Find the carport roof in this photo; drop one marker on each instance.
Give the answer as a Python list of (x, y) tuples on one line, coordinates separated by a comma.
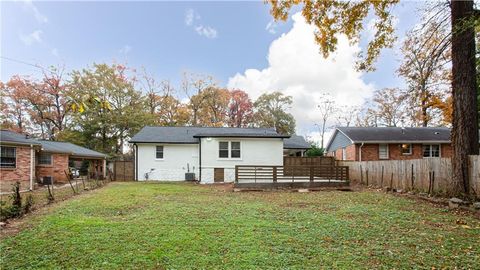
[(296, 142), (69, 148)]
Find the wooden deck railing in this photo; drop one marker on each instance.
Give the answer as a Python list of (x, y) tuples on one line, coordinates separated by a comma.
[(266, 174)]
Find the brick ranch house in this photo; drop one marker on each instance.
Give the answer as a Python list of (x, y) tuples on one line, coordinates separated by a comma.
[(389, 143), (30, 160)]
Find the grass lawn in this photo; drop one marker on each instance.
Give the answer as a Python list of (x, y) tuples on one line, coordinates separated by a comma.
[(178, 226)]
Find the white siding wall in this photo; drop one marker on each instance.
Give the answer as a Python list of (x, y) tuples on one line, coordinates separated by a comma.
[(254, 151), (172, 167)]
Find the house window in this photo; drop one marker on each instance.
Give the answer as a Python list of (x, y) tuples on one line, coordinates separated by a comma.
[(406, 149), (383, 151), (431, 150), (235, 151), (159, 152), (8, 157), (223, 149), (45, 159)]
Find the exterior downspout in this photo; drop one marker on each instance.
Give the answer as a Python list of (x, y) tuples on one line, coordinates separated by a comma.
[(32, 161), (360, 152), (136, 161), (200, 160)]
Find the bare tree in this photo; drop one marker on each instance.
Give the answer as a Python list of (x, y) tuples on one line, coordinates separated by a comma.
[(345, 115), (326, 108), (193, 85)]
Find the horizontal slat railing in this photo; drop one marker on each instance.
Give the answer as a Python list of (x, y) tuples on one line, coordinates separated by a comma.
[(295, 173)]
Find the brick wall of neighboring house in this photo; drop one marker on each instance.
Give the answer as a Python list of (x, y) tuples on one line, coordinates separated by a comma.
[(351, 152), (56, 169), (21, 172), (395, 152), (446, 150), (370, 152)]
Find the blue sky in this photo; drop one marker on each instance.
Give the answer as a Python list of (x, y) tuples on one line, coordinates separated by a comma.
[(154, 33), (229, 40)]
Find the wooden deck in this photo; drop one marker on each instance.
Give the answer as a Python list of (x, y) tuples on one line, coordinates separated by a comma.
[(293, 176)]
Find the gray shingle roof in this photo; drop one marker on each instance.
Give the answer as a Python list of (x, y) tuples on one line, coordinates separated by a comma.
[(7, 136), (296, 142), (397, 134), (69, 148), (190, 135)]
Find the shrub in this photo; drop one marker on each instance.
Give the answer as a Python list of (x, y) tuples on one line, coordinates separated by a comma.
[(28, 204), (15, 209)]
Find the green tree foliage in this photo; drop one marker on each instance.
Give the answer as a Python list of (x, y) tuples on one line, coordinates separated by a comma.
[(271, 111), (315, 151), (114, 111)]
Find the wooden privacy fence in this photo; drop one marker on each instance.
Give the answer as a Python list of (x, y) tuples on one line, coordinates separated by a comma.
[(123, 170), (274, 174), (432, 175), (308, 161)]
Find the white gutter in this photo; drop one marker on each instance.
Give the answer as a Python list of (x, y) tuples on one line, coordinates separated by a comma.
[(32, 161)]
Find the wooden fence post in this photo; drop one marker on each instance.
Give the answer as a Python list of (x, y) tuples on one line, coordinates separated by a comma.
[(366, 174), (311, 173), (274, 174), (381, 181), (391, 181), (412, 178), (361, 175)]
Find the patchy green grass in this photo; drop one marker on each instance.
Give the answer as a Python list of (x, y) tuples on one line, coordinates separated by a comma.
[(178, 226)]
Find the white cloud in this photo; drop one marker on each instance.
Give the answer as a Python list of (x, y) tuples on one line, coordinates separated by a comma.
[(203, 30), (125, 49), (296, 68), (206, 31), (271, 27), (41, 18), (34, 37), (190, 17)]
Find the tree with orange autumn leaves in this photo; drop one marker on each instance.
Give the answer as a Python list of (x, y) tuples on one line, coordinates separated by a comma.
[(103, 105), (43, 103)]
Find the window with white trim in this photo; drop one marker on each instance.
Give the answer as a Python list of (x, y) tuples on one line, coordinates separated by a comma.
[(8, 157), (229, 150), (235, 149), (431, 150), (406, 149), (223, 149), (159, 152), (383, 151), (44, 158)]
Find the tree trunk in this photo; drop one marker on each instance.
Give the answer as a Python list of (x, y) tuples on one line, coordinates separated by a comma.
[(464, 88)]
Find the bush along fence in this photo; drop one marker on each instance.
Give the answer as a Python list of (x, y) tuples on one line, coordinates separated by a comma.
[(17, 203), (429, 175)]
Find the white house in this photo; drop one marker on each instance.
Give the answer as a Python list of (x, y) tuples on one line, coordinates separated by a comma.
[(175, 153)]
